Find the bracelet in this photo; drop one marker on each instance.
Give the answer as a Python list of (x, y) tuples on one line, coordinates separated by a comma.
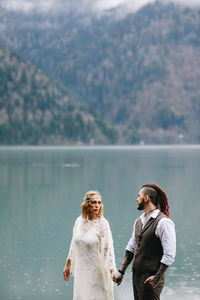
[(121, 272)]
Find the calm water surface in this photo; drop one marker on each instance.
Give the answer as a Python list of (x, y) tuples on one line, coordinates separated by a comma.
[(40, 194)]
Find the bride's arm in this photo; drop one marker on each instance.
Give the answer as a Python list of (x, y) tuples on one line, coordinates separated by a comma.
[(71, 256), (109, 250)]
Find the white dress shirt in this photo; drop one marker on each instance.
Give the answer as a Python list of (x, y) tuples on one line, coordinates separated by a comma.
[(165, 231)]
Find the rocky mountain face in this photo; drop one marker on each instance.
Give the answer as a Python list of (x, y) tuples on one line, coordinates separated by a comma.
[(141, 71)]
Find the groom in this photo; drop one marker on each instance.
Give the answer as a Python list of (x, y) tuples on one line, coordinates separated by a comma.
[(152, 247)]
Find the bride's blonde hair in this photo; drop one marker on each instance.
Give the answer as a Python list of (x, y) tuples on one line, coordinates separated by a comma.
[(85, 204)]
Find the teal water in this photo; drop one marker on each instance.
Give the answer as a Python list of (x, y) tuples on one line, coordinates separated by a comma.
[(40, 194)]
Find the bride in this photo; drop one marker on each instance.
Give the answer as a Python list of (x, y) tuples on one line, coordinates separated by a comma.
[(91, 255)]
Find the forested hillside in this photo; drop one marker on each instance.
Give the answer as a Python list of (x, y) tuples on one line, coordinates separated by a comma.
[(142, 71), (34, 110)]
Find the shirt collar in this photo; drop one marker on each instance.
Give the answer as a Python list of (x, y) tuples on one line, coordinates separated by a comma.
[(154, 214)]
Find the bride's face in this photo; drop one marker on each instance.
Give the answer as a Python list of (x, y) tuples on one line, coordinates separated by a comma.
[(94, 207)]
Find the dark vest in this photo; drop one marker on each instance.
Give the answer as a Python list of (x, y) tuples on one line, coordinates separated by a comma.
[(148, 249)]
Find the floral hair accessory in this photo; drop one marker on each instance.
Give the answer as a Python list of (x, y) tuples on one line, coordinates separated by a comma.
[(94, 197)]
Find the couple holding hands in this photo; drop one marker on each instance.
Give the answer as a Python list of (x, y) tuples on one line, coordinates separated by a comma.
[(151, 249)]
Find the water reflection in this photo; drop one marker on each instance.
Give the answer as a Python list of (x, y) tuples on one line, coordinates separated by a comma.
[(41, 192)]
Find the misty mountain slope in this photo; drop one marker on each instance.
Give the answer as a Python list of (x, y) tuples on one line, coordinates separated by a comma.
[(141, 71), (34, 110)]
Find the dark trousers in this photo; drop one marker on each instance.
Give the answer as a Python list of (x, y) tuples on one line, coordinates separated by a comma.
[(145, 291)]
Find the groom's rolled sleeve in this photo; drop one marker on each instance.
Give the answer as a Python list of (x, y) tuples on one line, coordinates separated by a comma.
[(131, 244)]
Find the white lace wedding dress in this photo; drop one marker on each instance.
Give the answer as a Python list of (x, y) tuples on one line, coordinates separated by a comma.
[(92, 257)]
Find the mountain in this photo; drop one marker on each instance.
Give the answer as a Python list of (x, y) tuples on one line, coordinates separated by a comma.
[(140, 71), (35, 110)]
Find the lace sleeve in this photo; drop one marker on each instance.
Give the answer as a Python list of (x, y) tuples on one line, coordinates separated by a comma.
[(72, 249), (107, 248)]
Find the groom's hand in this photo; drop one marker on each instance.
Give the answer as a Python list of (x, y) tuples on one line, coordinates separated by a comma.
[(153, 280), (118, 277)]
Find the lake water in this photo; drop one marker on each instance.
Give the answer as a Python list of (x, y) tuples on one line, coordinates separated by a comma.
[(41, 190)]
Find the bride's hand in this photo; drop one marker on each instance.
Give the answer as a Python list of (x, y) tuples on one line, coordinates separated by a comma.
[(118, 277), (66, 274)]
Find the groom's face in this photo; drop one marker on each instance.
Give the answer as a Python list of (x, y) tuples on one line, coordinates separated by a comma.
[(140, 200)]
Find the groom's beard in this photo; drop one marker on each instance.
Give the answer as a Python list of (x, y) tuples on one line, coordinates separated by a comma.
[(141, 205)]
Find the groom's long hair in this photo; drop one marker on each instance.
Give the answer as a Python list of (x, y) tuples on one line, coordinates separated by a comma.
[(160, 200)]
